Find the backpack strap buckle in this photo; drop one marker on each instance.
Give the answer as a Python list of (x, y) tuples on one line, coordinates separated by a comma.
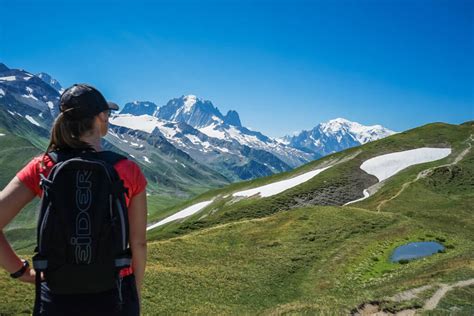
[(39, 263), (124, 260), (44, 182)]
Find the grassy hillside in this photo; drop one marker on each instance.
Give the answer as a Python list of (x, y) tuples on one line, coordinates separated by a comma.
[(15, 152), (353, 267), (341, 183), (299, 252)]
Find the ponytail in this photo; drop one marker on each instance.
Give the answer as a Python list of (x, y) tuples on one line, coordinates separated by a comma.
[(66, 133)]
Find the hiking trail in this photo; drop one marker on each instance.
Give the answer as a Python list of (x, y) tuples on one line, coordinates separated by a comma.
[(424, 173), (431, 303)]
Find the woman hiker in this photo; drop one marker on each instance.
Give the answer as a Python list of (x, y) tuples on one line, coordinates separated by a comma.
[(82, 122)]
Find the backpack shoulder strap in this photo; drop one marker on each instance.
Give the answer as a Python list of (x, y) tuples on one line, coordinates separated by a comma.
[(63, 155), (110, 157), (107, 156), (54, 155)]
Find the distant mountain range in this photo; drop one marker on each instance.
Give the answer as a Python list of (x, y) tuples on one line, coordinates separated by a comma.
[(192, 127), (198, 127), (335, 135)]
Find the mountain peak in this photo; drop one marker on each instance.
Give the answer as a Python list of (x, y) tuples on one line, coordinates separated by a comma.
[(362, 133), (232, 118), (139, 108), (3, 67), (338, 124), (335, 135), (51, 81), (340, 120), (189, 101), (191, 110)]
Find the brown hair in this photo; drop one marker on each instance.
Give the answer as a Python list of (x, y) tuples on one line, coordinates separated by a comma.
[(66, 133)]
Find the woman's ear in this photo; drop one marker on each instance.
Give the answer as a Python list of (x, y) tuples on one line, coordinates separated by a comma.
[(103, 117)]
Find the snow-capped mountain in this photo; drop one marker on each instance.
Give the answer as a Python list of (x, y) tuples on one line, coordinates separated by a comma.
[(227, 156), (27, 95), (28, 106), (190, 125), (139, 108), (196, 112), (168, 165), (205, 117), (197, 127), (335, 135), (51, 81)]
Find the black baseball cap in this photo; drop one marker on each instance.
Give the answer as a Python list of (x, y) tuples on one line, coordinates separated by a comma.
[(82, 100)]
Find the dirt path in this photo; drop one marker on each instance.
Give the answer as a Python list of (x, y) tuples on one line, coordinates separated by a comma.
[(424, 173), (431, 303), (374, 309), (410, 294)]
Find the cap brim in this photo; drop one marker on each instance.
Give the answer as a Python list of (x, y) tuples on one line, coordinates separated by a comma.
[(113, 106)]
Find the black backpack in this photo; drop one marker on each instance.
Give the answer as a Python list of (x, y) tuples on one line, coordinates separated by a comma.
[(83, 232)]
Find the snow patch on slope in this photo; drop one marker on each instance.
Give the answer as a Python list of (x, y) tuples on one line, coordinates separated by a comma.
[(387, 165), (188, 211), (32, 120), (212, 132), (29, 96), (280, 186), (9, 78), (189, 101), (145, 123)]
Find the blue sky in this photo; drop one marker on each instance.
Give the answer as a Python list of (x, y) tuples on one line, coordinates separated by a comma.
[(283, 65)]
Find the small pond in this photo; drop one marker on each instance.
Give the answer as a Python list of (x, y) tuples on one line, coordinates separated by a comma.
[(415, 250)]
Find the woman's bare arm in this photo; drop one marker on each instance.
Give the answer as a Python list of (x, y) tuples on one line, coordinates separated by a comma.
[(137, 211), (12, 199)]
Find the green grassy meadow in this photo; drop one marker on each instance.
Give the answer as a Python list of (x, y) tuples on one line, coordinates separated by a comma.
[(281, 255)]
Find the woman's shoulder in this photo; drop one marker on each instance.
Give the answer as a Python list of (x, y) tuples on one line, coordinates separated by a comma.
[(131, 173), (128, 168), (127, 163), (30, 173), (40, 162)]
